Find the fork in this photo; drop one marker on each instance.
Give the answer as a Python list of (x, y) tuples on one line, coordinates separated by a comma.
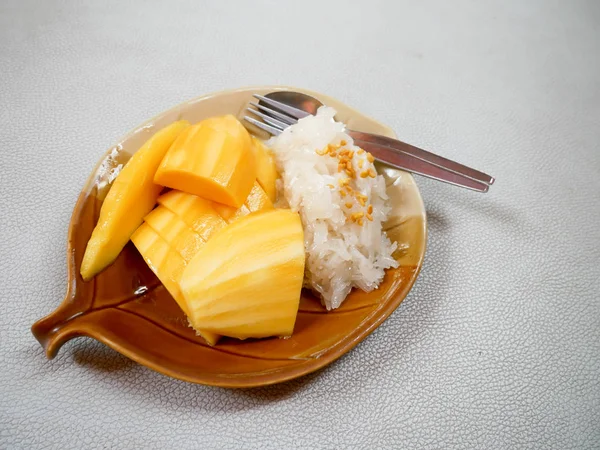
[(277, 116)]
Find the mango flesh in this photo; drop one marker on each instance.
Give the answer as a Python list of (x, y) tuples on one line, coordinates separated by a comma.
[(246, 281), (132, 195), (257, 200), (175, 232), (179, 227), (167, 264), (199, 214), (230, 214), (266, 171), (213, 159)]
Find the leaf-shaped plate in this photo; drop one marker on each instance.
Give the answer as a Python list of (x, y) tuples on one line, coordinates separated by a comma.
[(126, 308)]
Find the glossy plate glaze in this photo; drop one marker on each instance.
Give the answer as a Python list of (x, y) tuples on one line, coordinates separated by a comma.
[(126, 307)]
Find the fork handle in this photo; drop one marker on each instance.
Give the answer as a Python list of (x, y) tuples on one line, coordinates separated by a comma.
[(417, 166), (423, 155)]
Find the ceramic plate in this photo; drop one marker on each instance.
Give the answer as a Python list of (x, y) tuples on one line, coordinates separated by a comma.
[(126, 307)]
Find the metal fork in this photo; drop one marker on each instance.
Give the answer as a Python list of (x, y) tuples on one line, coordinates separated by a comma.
[(277, 116)]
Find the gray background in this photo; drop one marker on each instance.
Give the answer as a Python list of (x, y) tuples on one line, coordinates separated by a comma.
[(498, 344)]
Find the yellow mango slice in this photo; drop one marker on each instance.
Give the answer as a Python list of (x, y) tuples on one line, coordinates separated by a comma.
[(175, 232), (213, 159), (199, 214), (132, 195), (257, 200), (246, 281), (266, 171), (230, 214), (167, 265)]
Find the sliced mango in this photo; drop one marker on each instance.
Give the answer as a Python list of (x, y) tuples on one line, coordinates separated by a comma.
[(266, 171), (257, 200), (132, 195), (167, 265), (230, 214), (175, 232), (199, 214), (213, 159), (246, 281)]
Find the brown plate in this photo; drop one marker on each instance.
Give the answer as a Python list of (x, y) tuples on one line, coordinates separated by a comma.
[(126, 307)]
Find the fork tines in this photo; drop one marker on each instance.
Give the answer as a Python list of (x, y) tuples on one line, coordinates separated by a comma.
[(277, 116)]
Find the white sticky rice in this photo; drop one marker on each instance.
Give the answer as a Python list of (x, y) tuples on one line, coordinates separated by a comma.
[(340, 253)]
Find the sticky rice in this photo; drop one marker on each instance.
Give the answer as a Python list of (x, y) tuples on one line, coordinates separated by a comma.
[(341, 199)]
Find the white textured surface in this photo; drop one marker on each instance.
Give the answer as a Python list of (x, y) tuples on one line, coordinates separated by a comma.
[(497, 346)]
